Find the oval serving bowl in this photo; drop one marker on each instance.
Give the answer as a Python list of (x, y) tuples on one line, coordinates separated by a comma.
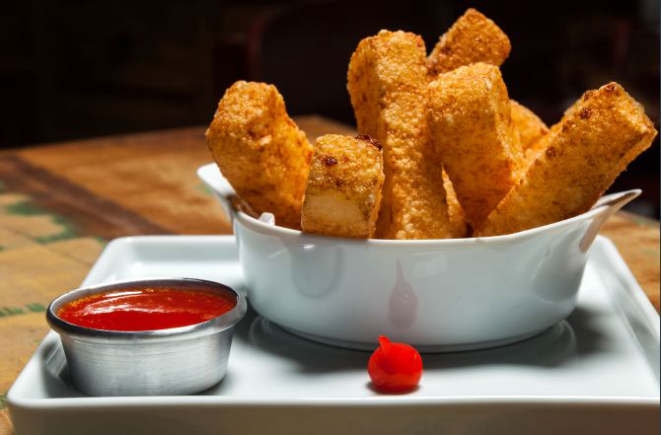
[(174, 361), (438, 295)]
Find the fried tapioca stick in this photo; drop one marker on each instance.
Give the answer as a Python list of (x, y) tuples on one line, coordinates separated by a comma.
[(343, 194), (456, 213), (595, 141), (387, 79), (475, 38), (471, 128), (472, 38), (531, 129), (260, 150)]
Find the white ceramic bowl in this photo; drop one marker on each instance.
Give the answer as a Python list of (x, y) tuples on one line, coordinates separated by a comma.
[(439, 295)]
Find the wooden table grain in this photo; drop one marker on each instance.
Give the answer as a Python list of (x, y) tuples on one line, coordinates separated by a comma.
[(60, 204)]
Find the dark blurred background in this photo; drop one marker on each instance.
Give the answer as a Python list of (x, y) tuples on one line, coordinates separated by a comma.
[(74, 68)]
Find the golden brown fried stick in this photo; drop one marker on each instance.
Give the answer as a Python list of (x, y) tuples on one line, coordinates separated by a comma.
[(456, 213), (535, 149), (260, 150), (595, 141), (386, 80), (531, 129), (343, 193), (472, 38), (471, 128)]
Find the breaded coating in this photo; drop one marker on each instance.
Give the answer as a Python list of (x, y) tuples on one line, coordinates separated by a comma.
[(261, 151), (343, 193), (471, 128), (531, 129), (595, 141), (536, 148), (386, 81), (472, 38), (455, 212)]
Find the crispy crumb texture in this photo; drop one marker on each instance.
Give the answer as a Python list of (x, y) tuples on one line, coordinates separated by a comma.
[(456, 213), (530, 129), (344, 186), (471, 128), (387, 78), (472, 38), (596, 139), (260, 150)]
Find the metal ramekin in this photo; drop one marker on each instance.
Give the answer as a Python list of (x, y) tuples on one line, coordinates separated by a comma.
[(173, 361)]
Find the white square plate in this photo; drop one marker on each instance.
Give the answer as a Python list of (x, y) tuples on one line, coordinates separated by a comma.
[(596, 372)]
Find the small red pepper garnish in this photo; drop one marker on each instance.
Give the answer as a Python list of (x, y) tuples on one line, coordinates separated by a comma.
[(394, 367)]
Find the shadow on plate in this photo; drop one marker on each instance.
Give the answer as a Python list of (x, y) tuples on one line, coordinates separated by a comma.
[(57, 380), (570, 340), (563, 343)]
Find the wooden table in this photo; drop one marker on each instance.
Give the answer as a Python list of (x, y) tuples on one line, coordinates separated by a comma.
[(60, 204)]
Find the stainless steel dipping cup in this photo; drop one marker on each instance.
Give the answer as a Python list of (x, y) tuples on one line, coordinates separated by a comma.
[(174, 361)]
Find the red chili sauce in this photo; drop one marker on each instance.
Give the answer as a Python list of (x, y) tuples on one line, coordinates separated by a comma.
[(145, 309)]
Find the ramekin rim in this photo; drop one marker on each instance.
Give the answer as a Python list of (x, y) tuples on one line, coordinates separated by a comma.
[(211, 326)]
